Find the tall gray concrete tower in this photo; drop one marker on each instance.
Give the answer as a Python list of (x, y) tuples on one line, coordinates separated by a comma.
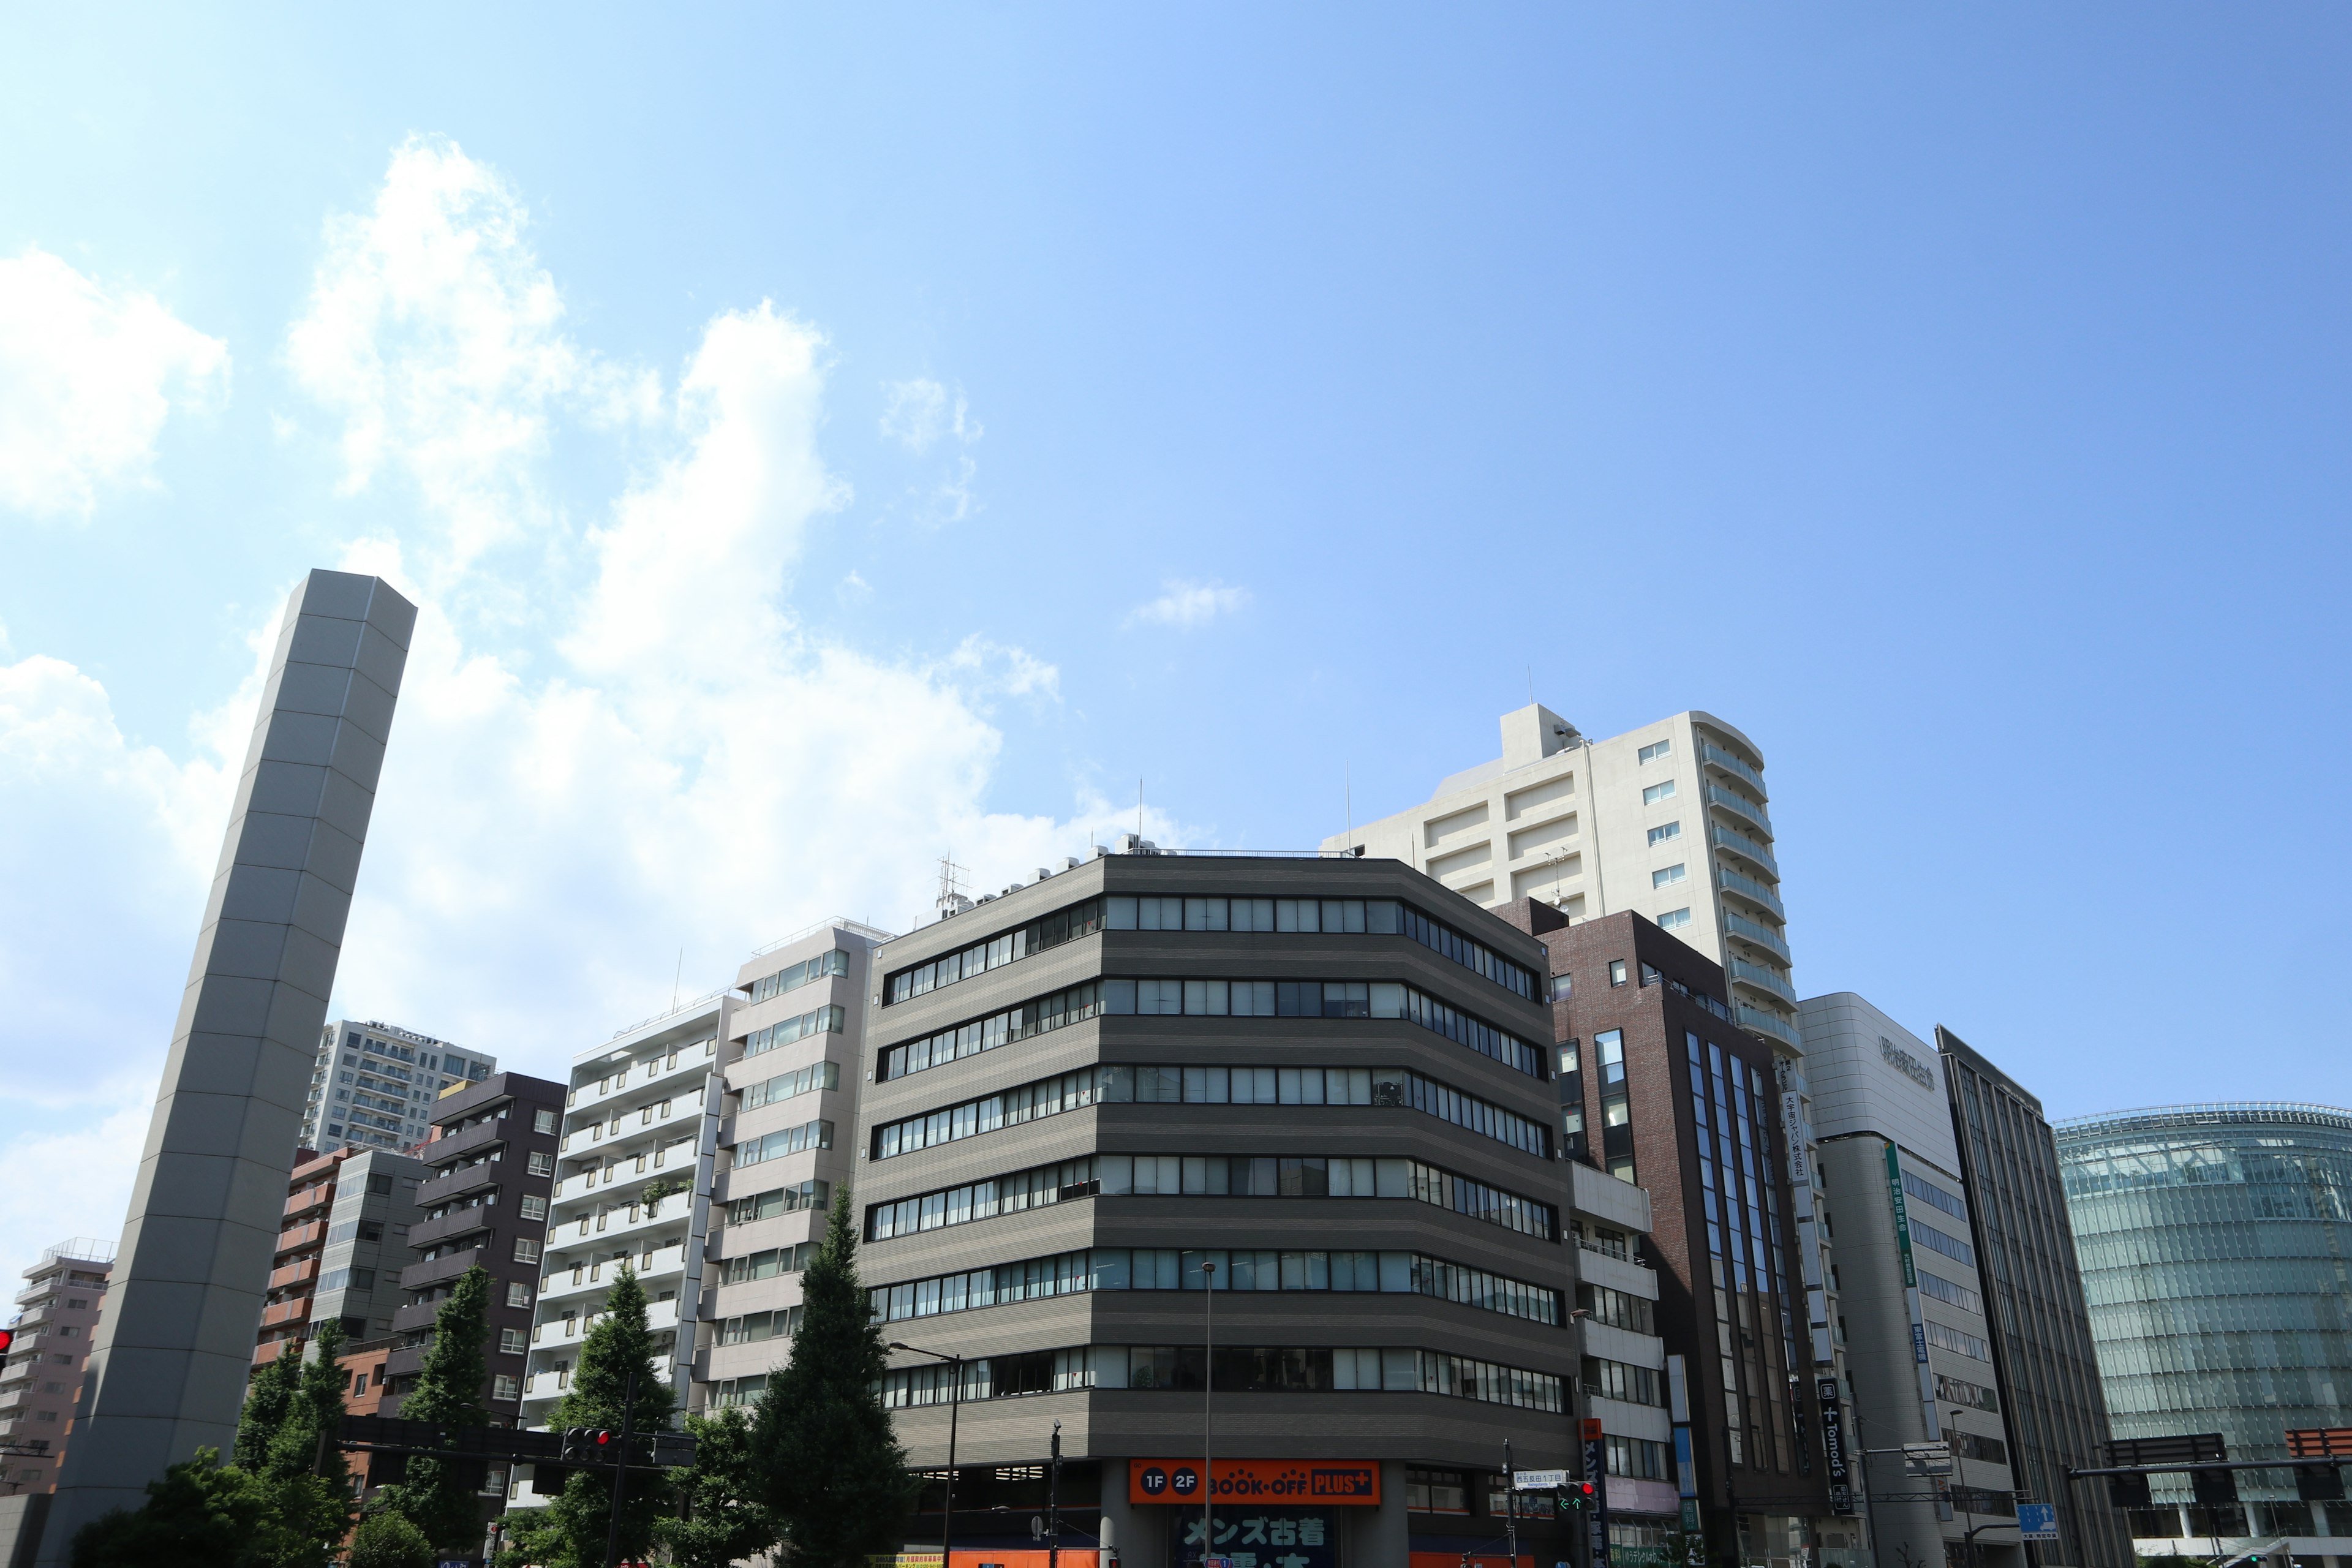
[(167, 1371)]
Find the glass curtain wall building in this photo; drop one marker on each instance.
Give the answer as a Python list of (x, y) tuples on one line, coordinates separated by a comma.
[(2216, 1248)]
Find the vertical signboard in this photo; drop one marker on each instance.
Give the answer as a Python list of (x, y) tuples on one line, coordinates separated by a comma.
[(1826, 1390), (1596, 1470), (1911, 1290)]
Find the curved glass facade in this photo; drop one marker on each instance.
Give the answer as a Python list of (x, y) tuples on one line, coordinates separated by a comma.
[(2216, 1249)]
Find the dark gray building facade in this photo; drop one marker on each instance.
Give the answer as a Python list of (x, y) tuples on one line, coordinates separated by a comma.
[(1318, 1086), (2043, 1354)]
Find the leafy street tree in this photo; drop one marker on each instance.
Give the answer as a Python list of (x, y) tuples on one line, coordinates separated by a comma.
[(619, 1344), (438, 1497), (265, 1398), (312, 1412), (831, 1470), (388, 1541), (723, 1520), (205, 1514)]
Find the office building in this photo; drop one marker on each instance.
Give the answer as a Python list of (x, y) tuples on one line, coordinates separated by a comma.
[(57, 1317), (632, 1180), (789, 1066), (1919, 1342), (340, 1255), (1658, 1085), (2049, 1374), (2216, 1249), (374, 1085), (1300, 1108)]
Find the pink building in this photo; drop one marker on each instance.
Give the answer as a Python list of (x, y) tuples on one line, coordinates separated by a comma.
[(57, 1317)]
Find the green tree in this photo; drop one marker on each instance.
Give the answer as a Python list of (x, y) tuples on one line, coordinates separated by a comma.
[(265, 1398), (388, 1541), (722, 1520), (440, 1497), (620, 1344), (831, 1469), (205, 1514), (313, 1411)]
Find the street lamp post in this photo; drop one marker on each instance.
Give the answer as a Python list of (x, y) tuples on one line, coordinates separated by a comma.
[(1961, 1484), (1208, 1407), (955, 1409)]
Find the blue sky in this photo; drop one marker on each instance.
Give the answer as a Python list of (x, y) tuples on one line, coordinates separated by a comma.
[(826, 442)]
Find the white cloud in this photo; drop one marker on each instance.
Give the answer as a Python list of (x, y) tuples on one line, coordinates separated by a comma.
[(87, 379), (1189, 605), (916, 414), (82, 1170)]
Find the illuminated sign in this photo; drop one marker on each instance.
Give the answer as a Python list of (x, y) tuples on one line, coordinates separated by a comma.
[(1355, 1482)]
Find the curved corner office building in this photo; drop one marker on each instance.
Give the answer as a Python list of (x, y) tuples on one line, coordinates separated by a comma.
[(2215, 1245)]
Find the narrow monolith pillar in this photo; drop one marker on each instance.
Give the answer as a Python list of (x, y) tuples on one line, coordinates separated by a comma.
[(167, 1369)]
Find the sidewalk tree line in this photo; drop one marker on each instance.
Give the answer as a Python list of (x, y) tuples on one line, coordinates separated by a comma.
[(815, 1473)]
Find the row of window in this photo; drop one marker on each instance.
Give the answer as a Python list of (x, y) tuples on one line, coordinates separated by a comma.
[(1947, 1337), (767, 1264), (1976, 1396), (1935, 1196), (809, 1079), (1210, 998), (1388, 1087), (1371, 917), (826, 1020), (1396, 1087), (783, 1142), (810, 1194), (1606, 1379), (754, 1327), (824, 966), (1944, 1289), (1951, 1246), (1234, 1175), (1616, 1309), (1240, 1369), (1007, 947), (1168, 1269), (1321, 999)]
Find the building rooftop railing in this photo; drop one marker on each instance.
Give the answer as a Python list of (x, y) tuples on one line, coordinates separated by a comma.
[(694, 1006), (80, 1249), (874, 934), (2207, 1114)]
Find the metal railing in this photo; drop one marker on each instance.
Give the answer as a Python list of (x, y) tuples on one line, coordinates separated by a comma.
[(1715, 756), (874, 934), (1749, 888), (1740, 805), (697, 1005), (1740, 844), (1757, 932), (1757, 975)]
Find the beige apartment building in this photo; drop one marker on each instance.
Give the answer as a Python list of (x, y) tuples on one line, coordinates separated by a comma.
[(1671, 821), (57, 1317)]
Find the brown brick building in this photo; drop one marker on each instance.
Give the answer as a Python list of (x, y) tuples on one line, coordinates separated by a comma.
[(1659, 1088)]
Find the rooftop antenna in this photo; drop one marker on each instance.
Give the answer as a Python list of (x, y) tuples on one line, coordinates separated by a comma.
[(1348, 788), (678, 974), (1531, 686), (951, 900)]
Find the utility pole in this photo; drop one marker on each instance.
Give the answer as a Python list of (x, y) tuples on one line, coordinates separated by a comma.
[(1053, 1503), (1511, 1502), (621, 1472)]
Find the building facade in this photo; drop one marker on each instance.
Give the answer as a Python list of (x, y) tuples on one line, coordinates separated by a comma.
[(1659, 1087), (486, 1200), (1918, 1339), (374, 1085), (2049, 1374), (2216, 1250), (1289, 1117), (788, 1118), (311, 1190), (57, 1315), (637, 1141)]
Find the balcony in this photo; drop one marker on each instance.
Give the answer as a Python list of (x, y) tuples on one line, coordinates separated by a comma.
[(406, 1362), (1723, 762), (318, 1195), (1740, 844), (1763, 979), (463, 1182), (1751, 889), (1772, 1026), (457, 1222), (1757, 932), (627, 1088), (294, 1311), (298, 1273), (439, 1270), (296, 1236), (457, 1145), (586, 1282), (1739, 806), (627, 1220)]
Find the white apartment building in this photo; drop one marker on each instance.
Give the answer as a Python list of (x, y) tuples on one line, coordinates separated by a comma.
[(374, 1085), (1670, 821), (633, 1181), (789, 1119)]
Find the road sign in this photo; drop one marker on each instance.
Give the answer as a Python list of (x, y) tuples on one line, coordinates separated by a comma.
[(1540, 1480), (1928, 1459), (2037, 1521), (2196, 1449)]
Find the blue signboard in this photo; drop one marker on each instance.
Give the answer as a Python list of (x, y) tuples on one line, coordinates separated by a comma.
[(2037, 1521)]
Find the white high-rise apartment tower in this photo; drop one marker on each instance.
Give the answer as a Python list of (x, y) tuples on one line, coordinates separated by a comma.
[(1670, 821), (375, 1084)]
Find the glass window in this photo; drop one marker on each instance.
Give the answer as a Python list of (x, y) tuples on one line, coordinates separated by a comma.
[(1616, 971), (1654, 750), (1667, 877), (1660, 834), (1674, 920), (1664, 790)]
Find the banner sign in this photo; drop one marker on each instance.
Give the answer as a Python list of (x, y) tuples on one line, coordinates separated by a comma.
[(1596, 1470), (1252, 1537), (1352, 1482), (1825, 1391)]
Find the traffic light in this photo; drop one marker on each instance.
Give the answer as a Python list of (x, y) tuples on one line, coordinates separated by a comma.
[(2129, 1491), (2319, 1483), (2213, 1489), (1579, 1495), (589, 1445), (8, 1338)]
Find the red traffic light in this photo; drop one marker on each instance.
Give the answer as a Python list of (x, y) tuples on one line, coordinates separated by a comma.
[(8, 1338), (602, 1438)]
